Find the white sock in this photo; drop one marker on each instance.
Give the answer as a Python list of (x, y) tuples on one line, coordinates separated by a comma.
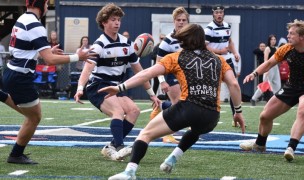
[(257, 94), (177, 152), (131, 166)]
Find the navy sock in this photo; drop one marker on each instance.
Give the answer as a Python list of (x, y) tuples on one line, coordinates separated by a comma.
[(139, 150), (261, 141), (117, 132), (293, 143), (127, 127), (17, 150), (166, 105)]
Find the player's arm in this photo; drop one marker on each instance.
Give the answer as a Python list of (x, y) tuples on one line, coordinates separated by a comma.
[(261, 69), (83, 79), (232, 49), (54, 59), (235, 93)]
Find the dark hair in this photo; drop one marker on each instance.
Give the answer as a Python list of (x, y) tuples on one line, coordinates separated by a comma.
[(87, 37), (269, 39), (191, 37)]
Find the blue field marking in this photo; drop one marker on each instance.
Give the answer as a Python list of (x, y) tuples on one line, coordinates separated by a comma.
[(80, 136)]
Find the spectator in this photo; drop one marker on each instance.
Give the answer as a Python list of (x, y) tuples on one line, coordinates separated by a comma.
[(259, 54), (85, 44)]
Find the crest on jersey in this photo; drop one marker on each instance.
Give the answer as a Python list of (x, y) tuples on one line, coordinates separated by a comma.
[(125, 50), (227, 31)]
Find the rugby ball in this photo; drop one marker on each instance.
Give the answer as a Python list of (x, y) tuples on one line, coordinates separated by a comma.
[(143, 45)]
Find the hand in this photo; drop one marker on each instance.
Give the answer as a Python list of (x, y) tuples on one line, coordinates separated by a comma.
[(239, 119), (249, 77), (237, 57), (156, 102), (112, 90), (164, 86), (77, 97), (57, 50), (84, 55)]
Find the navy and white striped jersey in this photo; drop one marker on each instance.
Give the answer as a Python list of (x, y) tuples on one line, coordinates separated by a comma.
[(168, 46), (113, 58), (28, 37), (218, 36)]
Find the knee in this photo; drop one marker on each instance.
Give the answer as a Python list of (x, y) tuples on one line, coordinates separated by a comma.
[(134, 112), (144, 136), (264, 118)]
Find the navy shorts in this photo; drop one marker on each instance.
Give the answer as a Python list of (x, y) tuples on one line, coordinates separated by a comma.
[(171, 80), (187, 114), (289, 95), (20, 86), (97, 98)]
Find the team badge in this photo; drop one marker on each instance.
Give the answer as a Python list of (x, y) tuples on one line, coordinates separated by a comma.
[(125, 50)]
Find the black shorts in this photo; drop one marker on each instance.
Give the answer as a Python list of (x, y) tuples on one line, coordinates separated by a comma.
[(289, 95), (187, 114), (97, 98), (20, 86), (171, 80)]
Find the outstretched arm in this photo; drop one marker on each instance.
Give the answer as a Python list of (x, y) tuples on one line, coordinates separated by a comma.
[(138, 79), (235, 92)]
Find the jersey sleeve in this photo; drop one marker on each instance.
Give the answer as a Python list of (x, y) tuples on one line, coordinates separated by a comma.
[(208, 34), (282, 51), (37, 36), (225, 65), (98, 50), (170, 62)]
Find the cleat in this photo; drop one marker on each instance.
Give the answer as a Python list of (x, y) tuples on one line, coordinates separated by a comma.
[(253, 102), (23, 159), (170, 139), (109, 152), (126, 175), (289, 154), (155, 112), (251, 146), (123, 153), (168, 164)]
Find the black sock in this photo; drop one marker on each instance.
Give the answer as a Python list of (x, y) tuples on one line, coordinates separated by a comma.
[(293, 143), (17, 150), (261, 141), (188, 139), (139, 150)]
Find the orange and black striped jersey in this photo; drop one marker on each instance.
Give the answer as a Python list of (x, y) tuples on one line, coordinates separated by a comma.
[(295, 61), (200, 74)]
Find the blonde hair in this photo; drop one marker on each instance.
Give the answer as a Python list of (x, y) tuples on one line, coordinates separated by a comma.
[(178, 11), (299, 24), (106, 12)]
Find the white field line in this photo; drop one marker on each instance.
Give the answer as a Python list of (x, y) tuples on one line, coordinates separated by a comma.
[(107, 119), (18, 172)]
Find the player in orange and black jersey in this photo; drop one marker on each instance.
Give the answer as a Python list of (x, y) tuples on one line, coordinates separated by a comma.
[(291, 94), (200, 73)]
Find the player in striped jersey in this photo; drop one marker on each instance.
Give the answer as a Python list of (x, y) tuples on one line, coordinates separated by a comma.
[(114, 53), (167, 46), (218, 40), (28, 39)]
